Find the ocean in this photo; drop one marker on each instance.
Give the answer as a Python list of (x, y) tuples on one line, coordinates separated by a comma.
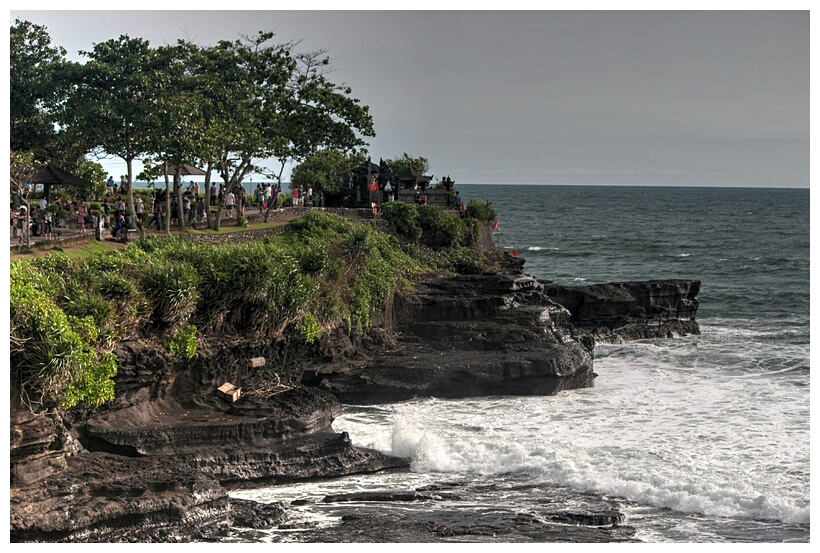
[(696, 439)]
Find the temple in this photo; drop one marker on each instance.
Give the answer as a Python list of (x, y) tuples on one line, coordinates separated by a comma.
[(410, 187)]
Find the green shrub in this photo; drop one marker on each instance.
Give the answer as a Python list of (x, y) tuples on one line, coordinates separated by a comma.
[(314, 260), (52, 354), (439, 228), (171, 289), (481, 210), (309, 329), (183, 342), (403, 217)]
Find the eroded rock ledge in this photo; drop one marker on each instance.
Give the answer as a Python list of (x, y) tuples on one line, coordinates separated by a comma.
[(465, 336), (624, 311)]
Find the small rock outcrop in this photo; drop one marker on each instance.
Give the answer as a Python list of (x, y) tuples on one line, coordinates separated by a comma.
[(624, 311)]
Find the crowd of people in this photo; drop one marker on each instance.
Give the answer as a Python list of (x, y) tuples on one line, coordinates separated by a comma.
[(151, 213)]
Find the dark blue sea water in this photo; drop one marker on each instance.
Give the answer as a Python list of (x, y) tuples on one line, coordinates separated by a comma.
[(700, 439)]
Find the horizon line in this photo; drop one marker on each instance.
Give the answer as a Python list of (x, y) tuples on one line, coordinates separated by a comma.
[(789, 187)]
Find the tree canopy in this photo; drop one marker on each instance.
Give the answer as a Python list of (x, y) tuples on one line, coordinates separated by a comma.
[(325, 170), (226, 107)]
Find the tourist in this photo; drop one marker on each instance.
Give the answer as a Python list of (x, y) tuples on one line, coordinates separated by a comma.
[(157, 215), (82, 212), (106, 211), (213, 194), (13, 223), (174, 211), (200, 210), (119, 227), (229, 201), (22, 224), (186, 208), (310, 195), (46, 224), (112, 187), (138, 208)]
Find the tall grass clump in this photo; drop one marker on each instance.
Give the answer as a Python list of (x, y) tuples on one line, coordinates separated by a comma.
[(53, 357)]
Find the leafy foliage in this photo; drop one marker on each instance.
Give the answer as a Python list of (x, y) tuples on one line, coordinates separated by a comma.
[(183, 342), (481, 210), (325, 170), (403, 217), (439, 228), (406, 163), (33, 90), (53, 354)]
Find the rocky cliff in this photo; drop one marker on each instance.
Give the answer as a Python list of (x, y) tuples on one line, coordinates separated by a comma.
[(156, 464), (463, 336)]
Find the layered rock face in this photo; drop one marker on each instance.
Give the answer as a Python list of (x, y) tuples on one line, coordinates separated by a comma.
[(156, 465), (464, 336), (623, 311)]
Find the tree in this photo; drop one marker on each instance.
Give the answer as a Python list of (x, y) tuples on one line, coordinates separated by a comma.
[(325, 170), (22, 167), (33, 91), (113, 109), (263, 101), (404, 163)]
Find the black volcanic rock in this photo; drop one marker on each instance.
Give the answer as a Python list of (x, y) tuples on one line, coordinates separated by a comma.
[(623, 311), (463, 336), (155, 464)]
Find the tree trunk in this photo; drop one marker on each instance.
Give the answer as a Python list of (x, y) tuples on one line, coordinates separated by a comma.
[(167, 214), (130, 196), (178, 194)]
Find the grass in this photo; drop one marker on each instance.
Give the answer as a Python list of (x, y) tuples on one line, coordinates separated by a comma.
[(78, 250), (231, 227), (73, 251)]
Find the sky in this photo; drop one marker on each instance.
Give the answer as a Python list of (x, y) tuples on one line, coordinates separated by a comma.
[(692, 98)]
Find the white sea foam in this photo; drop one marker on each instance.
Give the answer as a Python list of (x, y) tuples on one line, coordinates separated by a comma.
[(695, 439)]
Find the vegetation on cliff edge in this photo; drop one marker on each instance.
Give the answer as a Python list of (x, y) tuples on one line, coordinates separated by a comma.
[(324, 272)]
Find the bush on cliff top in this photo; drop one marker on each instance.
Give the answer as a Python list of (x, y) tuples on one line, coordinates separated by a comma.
[(54, 356), (324, 272)]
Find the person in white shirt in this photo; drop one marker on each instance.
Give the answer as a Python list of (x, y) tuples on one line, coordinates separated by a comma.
[(229, 203), (138, 209)]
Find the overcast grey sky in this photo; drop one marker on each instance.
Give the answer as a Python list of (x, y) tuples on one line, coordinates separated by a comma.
[(554, 97)]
